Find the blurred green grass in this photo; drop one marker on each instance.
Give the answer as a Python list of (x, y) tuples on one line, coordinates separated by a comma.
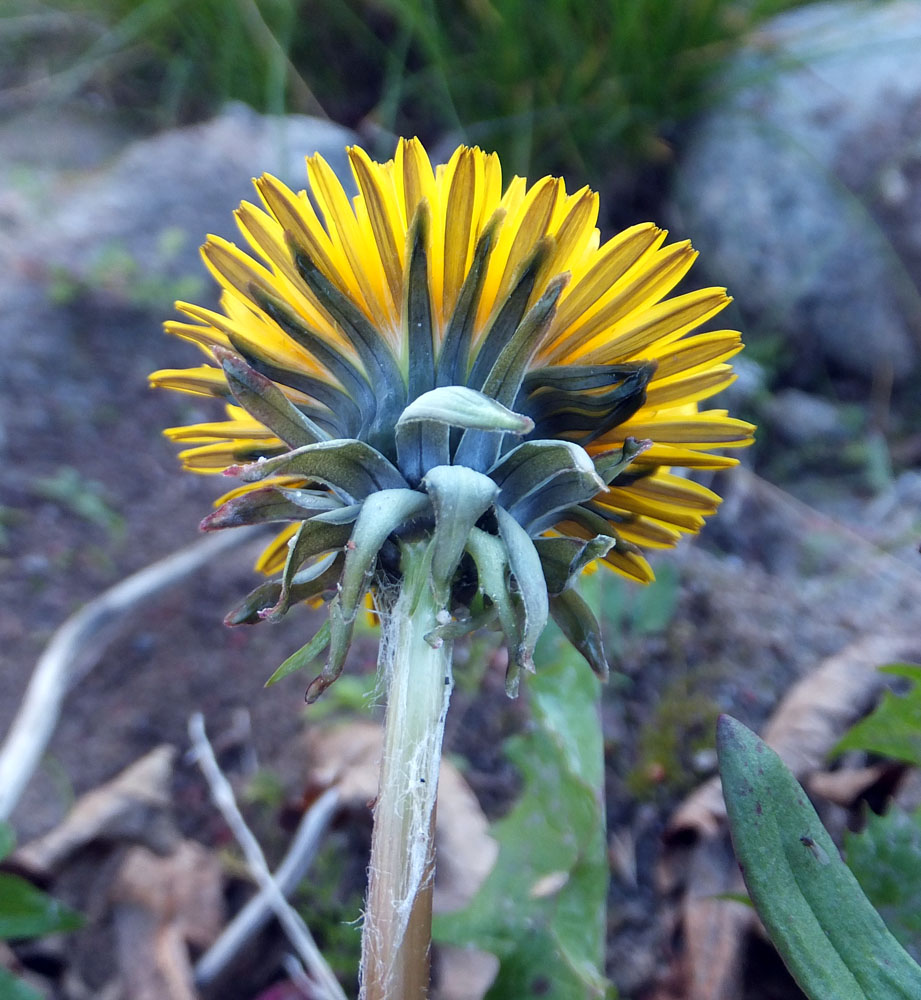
[(583, 89)]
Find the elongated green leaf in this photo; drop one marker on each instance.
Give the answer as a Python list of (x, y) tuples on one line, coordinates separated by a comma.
[(540, 509), (452, 360), (508, 371), (417, 307), (508, 318), (533, 464), (563, 558), (578, 378), (27, 912), (330, 358), (269, 504), (580, 626), (583, 416), (304, 656), (262, 398), (832, 940), (308, 583), (381, 514), (542, 909), (421, 445), (312, 538), (423, 435), (524, 563), (352, 469), (342, 414), (339, 515), (374, 351), (893, 729), (459, 496), (611, 464), (491, 558)]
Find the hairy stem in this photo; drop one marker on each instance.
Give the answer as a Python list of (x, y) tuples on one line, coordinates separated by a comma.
[(398, 920)]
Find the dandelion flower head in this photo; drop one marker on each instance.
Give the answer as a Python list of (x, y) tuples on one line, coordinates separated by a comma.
[(443, 356)]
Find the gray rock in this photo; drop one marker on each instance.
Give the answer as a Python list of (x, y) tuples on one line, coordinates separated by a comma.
[(804, 188), (133, 228), (801, 418), (88, 276)]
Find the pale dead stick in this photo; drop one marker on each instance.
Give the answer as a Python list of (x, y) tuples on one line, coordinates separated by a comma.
[(289, 873), (76, 647), (292, 924)]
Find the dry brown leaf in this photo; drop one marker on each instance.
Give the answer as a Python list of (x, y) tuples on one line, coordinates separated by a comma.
[(714, 928), (808, 722), (845, 786), (162, 905), (464, 973), (133, 806)]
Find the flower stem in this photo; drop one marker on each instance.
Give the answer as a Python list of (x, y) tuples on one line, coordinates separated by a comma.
[(398, 920)]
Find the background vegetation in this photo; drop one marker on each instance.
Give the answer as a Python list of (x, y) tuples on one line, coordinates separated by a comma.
[(598, 92)]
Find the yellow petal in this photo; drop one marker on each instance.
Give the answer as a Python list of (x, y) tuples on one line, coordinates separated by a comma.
[(203, 381), (275, 554)]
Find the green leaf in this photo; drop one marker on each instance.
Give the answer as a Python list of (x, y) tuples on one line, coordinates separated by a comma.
[(26, 912), (459, 498), (12, 988), (491, 558), (458, 406), (582, 416), (507, 319), (260, 397), (341, 414), (580, 626), (381, 514), (312, 538), (417, 306), (352, 469), (378, 359), (524, 563), (7, 840), (505, 376), (894, 728), (886, 858), (506, 371), (268, 504), (452, 360), (542, 909), (610, 464), (833, 942), (563, 558), (423, 430), (308, 583), (531, 467), (329, 357), (304, 656)]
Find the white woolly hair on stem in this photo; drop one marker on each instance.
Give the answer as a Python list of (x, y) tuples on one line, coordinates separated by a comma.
[(396, 935)]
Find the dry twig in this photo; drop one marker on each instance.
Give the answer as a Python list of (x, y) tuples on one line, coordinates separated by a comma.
[(294, 927), (76, 647), (259, 909)]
